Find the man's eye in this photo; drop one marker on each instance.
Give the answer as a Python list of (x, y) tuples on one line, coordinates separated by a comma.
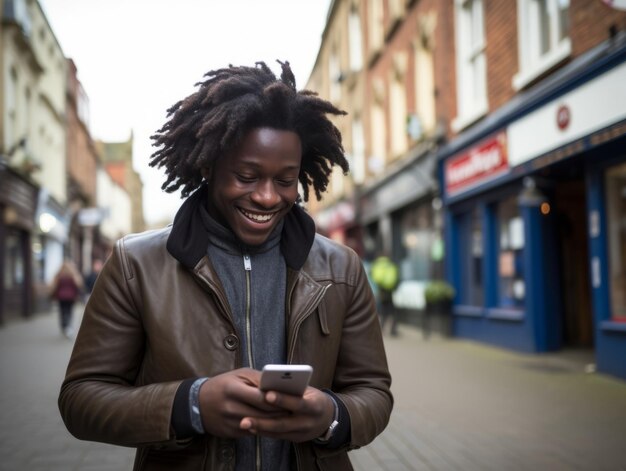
[(245, 178), (286, 182)]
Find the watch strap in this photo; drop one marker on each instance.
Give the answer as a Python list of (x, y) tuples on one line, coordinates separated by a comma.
[(329, 433), (194, 405), (333, 425)]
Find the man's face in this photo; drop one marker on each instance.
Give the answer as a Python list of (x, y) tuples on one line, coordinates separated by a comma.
[(255, 186)]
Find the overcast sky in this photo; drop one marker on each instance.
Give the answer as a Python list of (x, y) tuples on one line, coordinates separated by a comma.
[(136, 58)]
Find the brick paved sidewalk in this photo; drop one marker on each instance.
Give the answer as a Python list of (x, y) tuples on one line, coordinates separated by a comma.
[(459, 406), (33, 358), (466, 406)]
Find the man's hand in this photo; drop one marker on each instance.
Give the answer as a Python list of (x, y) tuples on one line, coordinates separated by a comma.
[(227, 398), (308, 417)]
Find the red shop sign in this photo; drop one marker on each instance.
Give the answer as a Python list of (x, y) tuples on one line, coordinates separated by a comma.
[(479, 164)]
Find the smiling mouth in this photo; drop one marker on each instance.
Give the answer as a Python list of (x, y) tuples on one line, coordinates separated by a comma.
[(260, 218)]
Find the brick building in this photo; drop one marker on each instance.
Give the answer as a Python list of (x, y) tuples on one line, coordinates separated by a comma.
[(499, 128)]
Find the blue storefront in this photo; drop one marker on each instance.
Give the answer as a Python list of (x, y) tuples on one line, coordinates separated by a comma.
[(535, 215)]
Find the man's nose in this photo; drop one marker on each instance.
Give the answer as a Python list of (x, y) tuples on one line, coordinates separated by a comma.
[(265, 194)]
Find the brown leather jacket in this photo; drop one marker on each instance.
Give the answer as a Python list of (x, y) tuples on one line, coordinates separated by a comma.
[(154, 320)]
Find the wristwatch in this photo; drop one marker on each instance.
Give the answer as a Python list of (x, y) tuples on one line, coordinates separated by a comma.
[(329, 432)]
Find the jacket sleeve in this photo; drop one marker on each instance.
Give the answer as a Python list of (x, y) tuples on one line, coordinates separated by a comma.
[(362, 380), (354, 363), (100, 399)]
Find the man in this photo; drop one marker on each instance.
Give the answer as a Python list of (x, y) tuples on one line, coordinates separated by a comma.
[(384, 273), (182, 319)]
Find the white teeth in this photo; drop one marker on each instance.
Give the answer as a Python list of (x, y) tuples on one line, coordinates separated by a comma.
[(257, 217)]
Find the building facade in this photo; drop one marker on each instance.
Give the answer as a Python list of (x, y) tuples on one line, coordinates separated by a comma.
[(114, 212), (83, 162), (56, 198), (491, 154), (533, 180), (117, 158), (380, 61), (32, 142)]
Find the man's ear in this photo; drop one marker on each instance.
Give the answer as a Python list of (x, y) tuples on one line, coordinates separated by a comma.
[(206, 173)]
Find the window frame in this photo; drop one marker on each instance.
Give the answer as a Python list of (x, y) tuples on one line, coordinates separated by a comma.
[(398, 107), (357, 166), (424, 82), (532, 63), (355, 39), (375, 30), (471, 63)]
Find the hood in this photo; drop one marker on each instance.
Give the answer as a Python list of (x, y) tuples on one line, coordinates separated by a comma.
[(189, 239)]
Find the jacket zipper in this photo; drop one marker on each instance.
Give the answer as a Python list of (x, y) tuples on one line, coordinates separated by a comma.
[(247, 265)]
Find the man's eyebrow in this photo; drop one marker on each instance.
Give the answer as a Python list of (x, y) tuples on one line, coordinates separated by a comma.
[(256, 165)]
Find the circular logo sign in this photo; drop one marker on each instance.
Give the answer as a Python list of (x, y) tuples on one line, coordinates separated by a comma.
[(563, 117)]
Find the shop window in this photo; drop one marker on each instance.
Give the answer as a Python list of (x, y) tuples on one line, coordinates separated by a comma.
[(511, 287), (417, 236), (476, 253), (543, 37), (615, 183), (14, 262), (372, 240), (472, 283)]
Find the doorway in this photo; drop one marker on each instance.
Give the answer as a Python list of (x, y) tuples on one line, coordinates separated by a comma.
[(573, 266)]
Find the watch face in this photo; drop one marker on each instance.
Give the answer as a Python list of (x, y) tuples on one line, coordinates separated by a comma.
[(331, 429)]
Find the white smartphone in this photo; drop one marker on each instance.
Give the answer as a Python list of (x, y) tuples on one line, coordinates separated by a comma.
[(289, 379)]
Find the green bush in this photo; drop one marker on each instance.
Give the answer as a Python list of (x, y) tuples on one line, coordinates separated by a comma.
[(438, 291)]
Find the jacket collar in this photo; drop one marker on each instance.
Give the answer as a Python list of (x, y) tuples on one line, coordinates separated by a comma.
[(189, 237)]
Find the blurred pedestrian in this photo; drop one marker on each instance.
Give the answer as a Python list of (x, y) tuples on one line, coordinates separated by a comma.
[(384, 272), (66, 289), (182, 319)]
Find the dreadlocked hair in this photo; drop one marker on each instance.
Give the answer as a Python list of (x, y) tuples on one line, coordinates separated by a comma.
[(232, 101)]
